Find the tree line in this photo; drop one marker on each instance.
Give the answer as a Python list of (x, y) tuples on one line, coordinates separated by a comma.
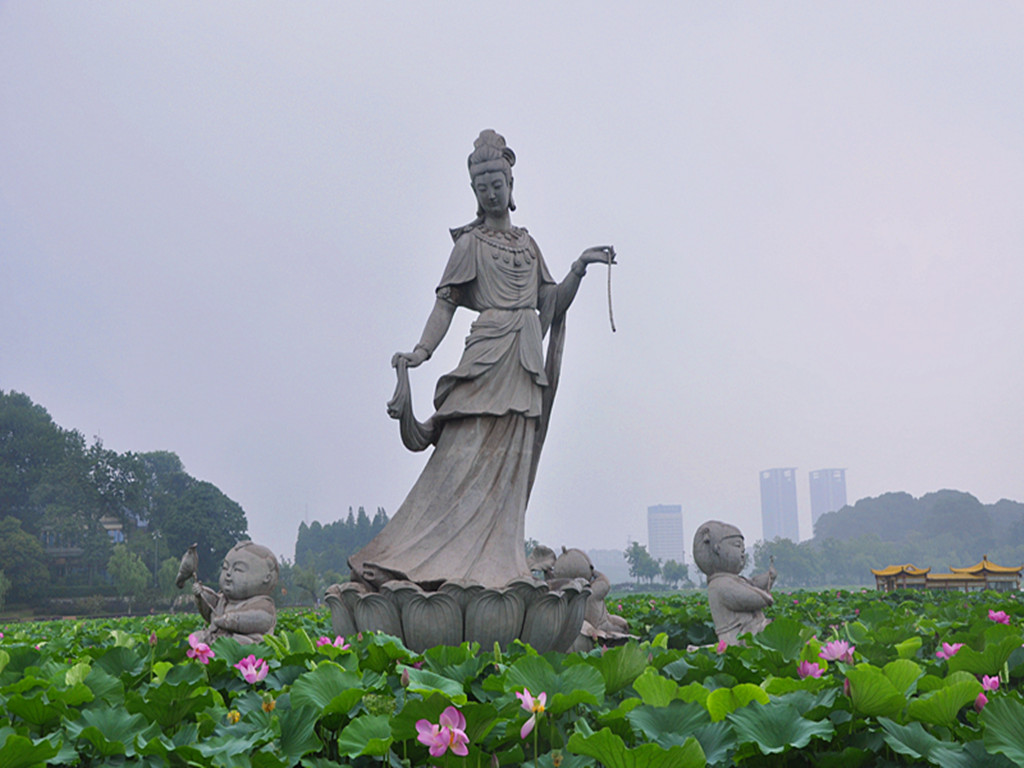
[(938, 530), (77, 518)]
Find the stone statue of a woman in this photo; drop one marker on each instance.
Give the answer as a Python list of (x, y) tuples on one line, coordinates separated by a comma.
[(464, 517)]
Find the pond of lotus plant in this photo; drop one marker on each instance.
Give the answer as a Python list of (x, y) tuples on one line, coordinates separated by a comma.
[(837, 679)]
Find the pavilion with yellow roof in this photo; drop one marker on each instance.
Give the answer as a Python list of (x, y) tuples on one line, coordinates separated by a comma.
[(975, 578)]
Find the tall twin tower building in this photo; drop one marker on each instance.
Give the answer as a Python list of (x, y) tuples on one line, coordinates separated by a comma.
[(779, 518)]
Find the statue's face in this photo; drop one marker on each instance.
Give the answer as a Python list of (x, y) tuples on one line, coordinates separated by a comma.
[(244, 574), (492, 192), (732, 554)]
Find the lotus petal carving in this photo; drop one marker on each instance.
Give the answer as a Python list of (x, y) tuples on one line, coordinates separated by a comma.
[(461, 590), (431, 619), (494, 616), (376, 613), (576, 608), (399, 592), (341, 600), (544, 621)]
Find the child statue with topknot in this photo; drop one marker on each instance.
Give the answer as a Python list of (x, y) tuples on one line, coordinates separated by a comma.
[(244, 608), (737, 603)]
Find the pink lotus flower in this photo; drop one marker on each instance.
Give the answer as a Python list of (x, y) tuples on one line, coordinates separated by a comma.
[(1002, 617), (980, 702), (722, 645), (449, 733), (838, 650), (846, 687), (253, 669), (795, 601), (533, 705), (199, 651), (338, 642), (990, 682), (948, 650), (808, 669)]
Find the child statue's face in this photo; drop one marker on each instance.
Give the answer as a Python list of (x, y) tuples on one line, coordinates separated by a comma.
[(732, 554), (244, 574)]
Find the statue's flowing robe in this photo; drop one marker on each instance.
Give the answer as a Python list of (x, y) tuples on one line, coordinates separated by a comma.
[(465, 516)]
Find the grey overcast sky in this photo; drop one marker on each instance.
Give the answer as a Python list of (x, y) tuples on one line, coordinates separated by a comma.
[(219, 220)]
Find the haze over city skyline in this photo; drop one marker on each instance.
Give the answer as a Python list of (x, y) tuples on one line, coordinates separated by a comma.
[(218, 223)]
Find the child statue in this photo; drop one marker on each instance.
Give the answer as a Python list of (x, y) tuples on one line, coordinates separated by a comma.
[(244, 608), (737, 603)]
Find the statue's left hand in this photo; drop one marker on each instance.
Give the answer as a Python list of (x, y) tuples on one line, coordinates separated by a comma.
[(599, 254)]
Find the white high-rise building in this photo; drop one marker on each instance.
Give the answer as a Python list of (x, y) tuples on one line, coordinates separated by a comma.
[(665, 540)]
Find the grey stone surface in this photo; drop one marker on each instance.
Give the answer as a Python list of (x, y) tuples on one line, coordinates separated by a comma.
[(737, 603)]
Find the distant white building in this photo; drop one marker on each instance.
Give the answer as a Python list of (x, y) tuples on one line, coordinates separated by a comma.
[(665, 540), (828, 492)]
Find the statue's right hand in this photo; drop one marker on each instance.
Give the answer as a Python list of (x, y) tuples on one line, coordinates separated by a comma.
[(197, 588), (412, 359)]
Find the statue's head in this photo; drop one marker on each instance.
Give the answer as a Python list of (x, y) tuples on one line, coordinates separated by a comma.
[(573, 564), (249, 569), (490, 173), (718, 548)]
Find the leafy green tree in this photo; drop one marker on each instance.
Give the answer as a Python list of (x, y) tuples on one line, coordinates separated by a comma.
[(23, 559), (5, 587), (674, 572), (129, 573), (641, 565), (30, 443), (165, 576), (326, 548), (205, 516)]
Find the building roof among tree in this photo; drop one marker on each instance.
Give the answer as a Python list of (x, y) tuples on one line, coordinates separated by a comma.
[(986, 566), (896, 570)]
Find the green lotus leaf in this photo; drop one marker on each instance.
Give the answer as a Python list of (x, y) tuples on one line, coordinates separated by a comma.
[(105, 687), (777, 727), (694, 692), (425, 682), (913, 741), (903, 674), (655, 690), (22, 752), (785, 637), (73, 696), (908, 648), (298, 736), (620, 666), (678, 669), (580, 684), (670, 725), (168, 703), (383, 650), (4, 658), (229, 750), (328, 688), (112, 730), (1003, 719), (873, 693), (613, 752), (718, 740), (120, 662), (36, 709), (77, 673), (942, 706), (1000, 642), (723, 701), (366, 735)]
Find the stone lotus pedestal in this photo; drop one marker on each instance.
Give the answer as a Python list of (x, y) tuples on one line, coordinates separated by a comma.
[(527, 610)]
